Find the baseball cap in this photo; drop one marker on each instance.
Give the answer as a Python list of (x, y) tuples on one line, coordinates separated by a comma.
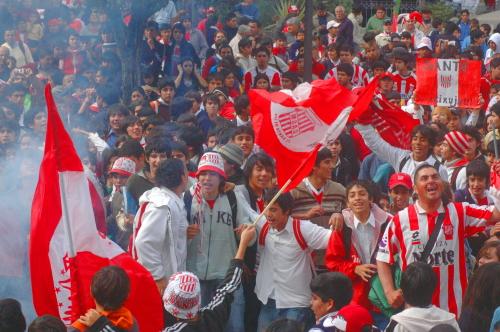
[(352, 318), (332, 24), (400, 179), (387, 21), (182, 297), (124, 166), (293, 9), (425, 42), (231, 152), (211, 161)]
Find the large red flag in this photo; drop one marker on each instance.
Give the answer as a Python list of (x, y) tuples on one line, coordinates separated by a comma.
[(392, 123), (448, 82), (290, 125), (66, 248)]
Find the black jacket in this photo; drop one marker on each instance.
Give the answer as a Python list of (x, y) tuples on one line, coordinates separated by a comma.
[(215, 315)]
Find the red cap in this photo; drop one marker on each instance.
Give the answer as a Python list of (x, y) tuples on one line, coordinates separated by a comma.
[(416, 16), (400, 179), (293, 9), (356, 317)]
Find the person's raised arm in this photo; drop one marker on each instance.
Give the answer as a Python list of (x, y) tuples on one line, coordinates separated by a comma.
[(394, 296)]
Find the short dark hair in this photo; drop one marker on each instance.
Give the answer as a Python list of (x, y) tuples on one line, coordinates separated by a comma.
[(244, 42), (158, 145), (368, 185), (259, 158), (380, 64), (418, 282), (464, 11), (110, 287), (323, 153), (243, 130), (131, 148), (169, 173), (47, 323), (333, 285), (261, 49), (193, 95), (118, 109), (11, 316), (472, 132), (284, 201), (491, 147), (420, 168), (241, 103), (346, 68), (478, 167), (166, 82), (127, 122), (346, 48)]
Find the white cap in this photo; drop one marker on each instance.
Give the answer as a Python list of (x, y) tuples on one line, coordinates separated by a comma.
[(425, 42), (124, 166), (332, 24), (211, 161), (182, 297)]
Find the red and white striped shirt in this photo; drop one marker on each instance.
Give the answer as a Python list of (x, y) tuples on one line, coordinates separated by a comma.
[(273, 74), (409, 231), (359, 78), (405, 85)]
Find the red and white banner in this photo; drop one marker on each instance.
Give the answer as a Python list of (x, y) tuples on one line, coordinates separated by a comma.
[(66, 248), (289, 125), (448, 82)]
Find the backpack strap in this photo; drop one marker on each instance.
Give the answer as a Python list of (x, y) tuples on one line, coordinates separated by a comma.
[(373, 259), (132, 250), (233, 203), (347, 239), (436, 165), (403, 163), (454, 176), (298, 234), (188, 202), (263, 233)]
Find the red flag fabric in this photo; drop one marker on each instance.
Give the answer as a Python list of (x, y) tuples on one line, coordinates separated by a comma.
[(448, 82), (66, 248), (392, 123), (289, 125)]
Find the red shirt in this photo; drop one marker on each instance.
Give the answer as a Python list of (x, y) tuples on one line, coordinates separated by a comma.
[(273, 75), (405, 85)]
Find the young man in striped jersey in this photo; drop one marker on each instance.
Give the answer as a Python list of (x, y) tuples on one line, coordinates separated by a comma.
[(410, 230), (359, 77)]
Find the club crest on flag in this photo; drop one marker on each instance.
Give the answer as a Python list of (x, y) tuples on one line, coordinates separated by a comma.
[(294, 126), (446, 81)]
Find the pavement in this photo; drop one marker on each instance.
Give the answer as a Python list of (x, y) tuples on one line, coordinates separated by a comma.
[(492, 18)]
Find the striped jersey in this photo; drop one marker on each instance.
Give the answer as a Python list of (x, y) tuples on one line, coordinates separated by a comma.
[(359, 78), (405, 85), (273, 75), (410, 229)]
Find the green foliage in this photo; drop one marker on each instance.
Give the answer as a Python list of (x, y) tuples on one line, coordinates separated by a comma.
[(442, 10)]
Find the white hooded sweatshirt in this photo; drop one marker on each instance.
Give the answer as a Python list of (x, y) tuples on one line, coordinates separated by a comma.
[(423, 319)]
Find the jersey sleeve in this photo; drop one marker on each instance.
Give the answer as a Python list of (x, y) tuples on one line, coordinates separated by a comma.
[(315, 236), (476, 217)]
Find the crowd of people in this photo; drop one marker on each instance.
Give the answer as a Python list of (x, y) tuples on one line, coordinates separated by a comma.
[(375, 238)]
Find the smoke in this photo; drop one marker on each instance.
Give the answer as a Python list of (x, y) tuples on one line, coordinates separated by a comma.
[(18, 178)]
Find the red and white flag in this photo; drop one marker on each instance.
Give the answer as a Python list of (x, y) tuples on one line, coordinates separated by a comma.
[(292, 125), (66, 248), (448, 82)]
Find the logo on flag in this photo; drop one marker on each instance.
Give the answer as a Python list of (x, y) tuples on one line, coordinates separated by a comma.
[(446, 81), (448, 230), (296, 122)]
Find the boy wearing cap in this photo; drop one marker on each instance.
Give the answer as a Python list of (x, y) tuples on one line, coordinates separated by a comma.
[(218, 213), (182, 298), (454, 146), (233, 159), (119, 227), (332, 27), (424, 48), (384, 37), (400, 190)]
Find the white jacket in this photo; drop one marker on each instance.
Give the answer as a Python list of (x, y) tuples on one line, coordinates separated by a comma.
[(161, 241), (393, 155), (423, 319)]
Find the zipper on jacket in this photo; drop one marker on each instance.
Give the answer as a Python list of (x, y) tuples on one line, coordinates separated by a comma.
[(209, 240)]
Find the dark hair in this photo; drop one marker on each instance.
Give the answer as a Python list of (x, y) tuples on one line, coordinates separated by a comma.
[(12, 125), (47, 323), (257, 22), (224, 45), (323, 153), (345, 68), (333, 285), (260, 76), (285, 325), (346, 48), (29, 117), (489, 245), (243, 130), (261, 49), (478, 167), (118, 109), (464, 11), (169, 173), (158, 145), (284, 201), (179, 146), (131, 148), (166, 82), (483, 295), (294, 77), (180, 27), (427, 132), (472, 132), (215, 77), (146, 111), (368, 185), (193, 138), (486, 27), (128, 121), (241, 103), (476, 34), (259, 158), (419, 168), (244, 42), (418, 282), (213, 98), (491, 147), (110, 287), (11, 316), (436, 22), (193, 95)]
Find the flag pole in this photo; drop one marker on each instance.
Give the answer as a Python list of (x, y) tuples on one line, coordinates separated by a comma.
[(287, 183), (495, 142)]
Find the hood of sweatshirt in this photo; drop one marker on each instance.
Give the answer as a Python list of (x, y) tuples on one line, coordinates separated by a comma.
[(496, 39), (423, 319)]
